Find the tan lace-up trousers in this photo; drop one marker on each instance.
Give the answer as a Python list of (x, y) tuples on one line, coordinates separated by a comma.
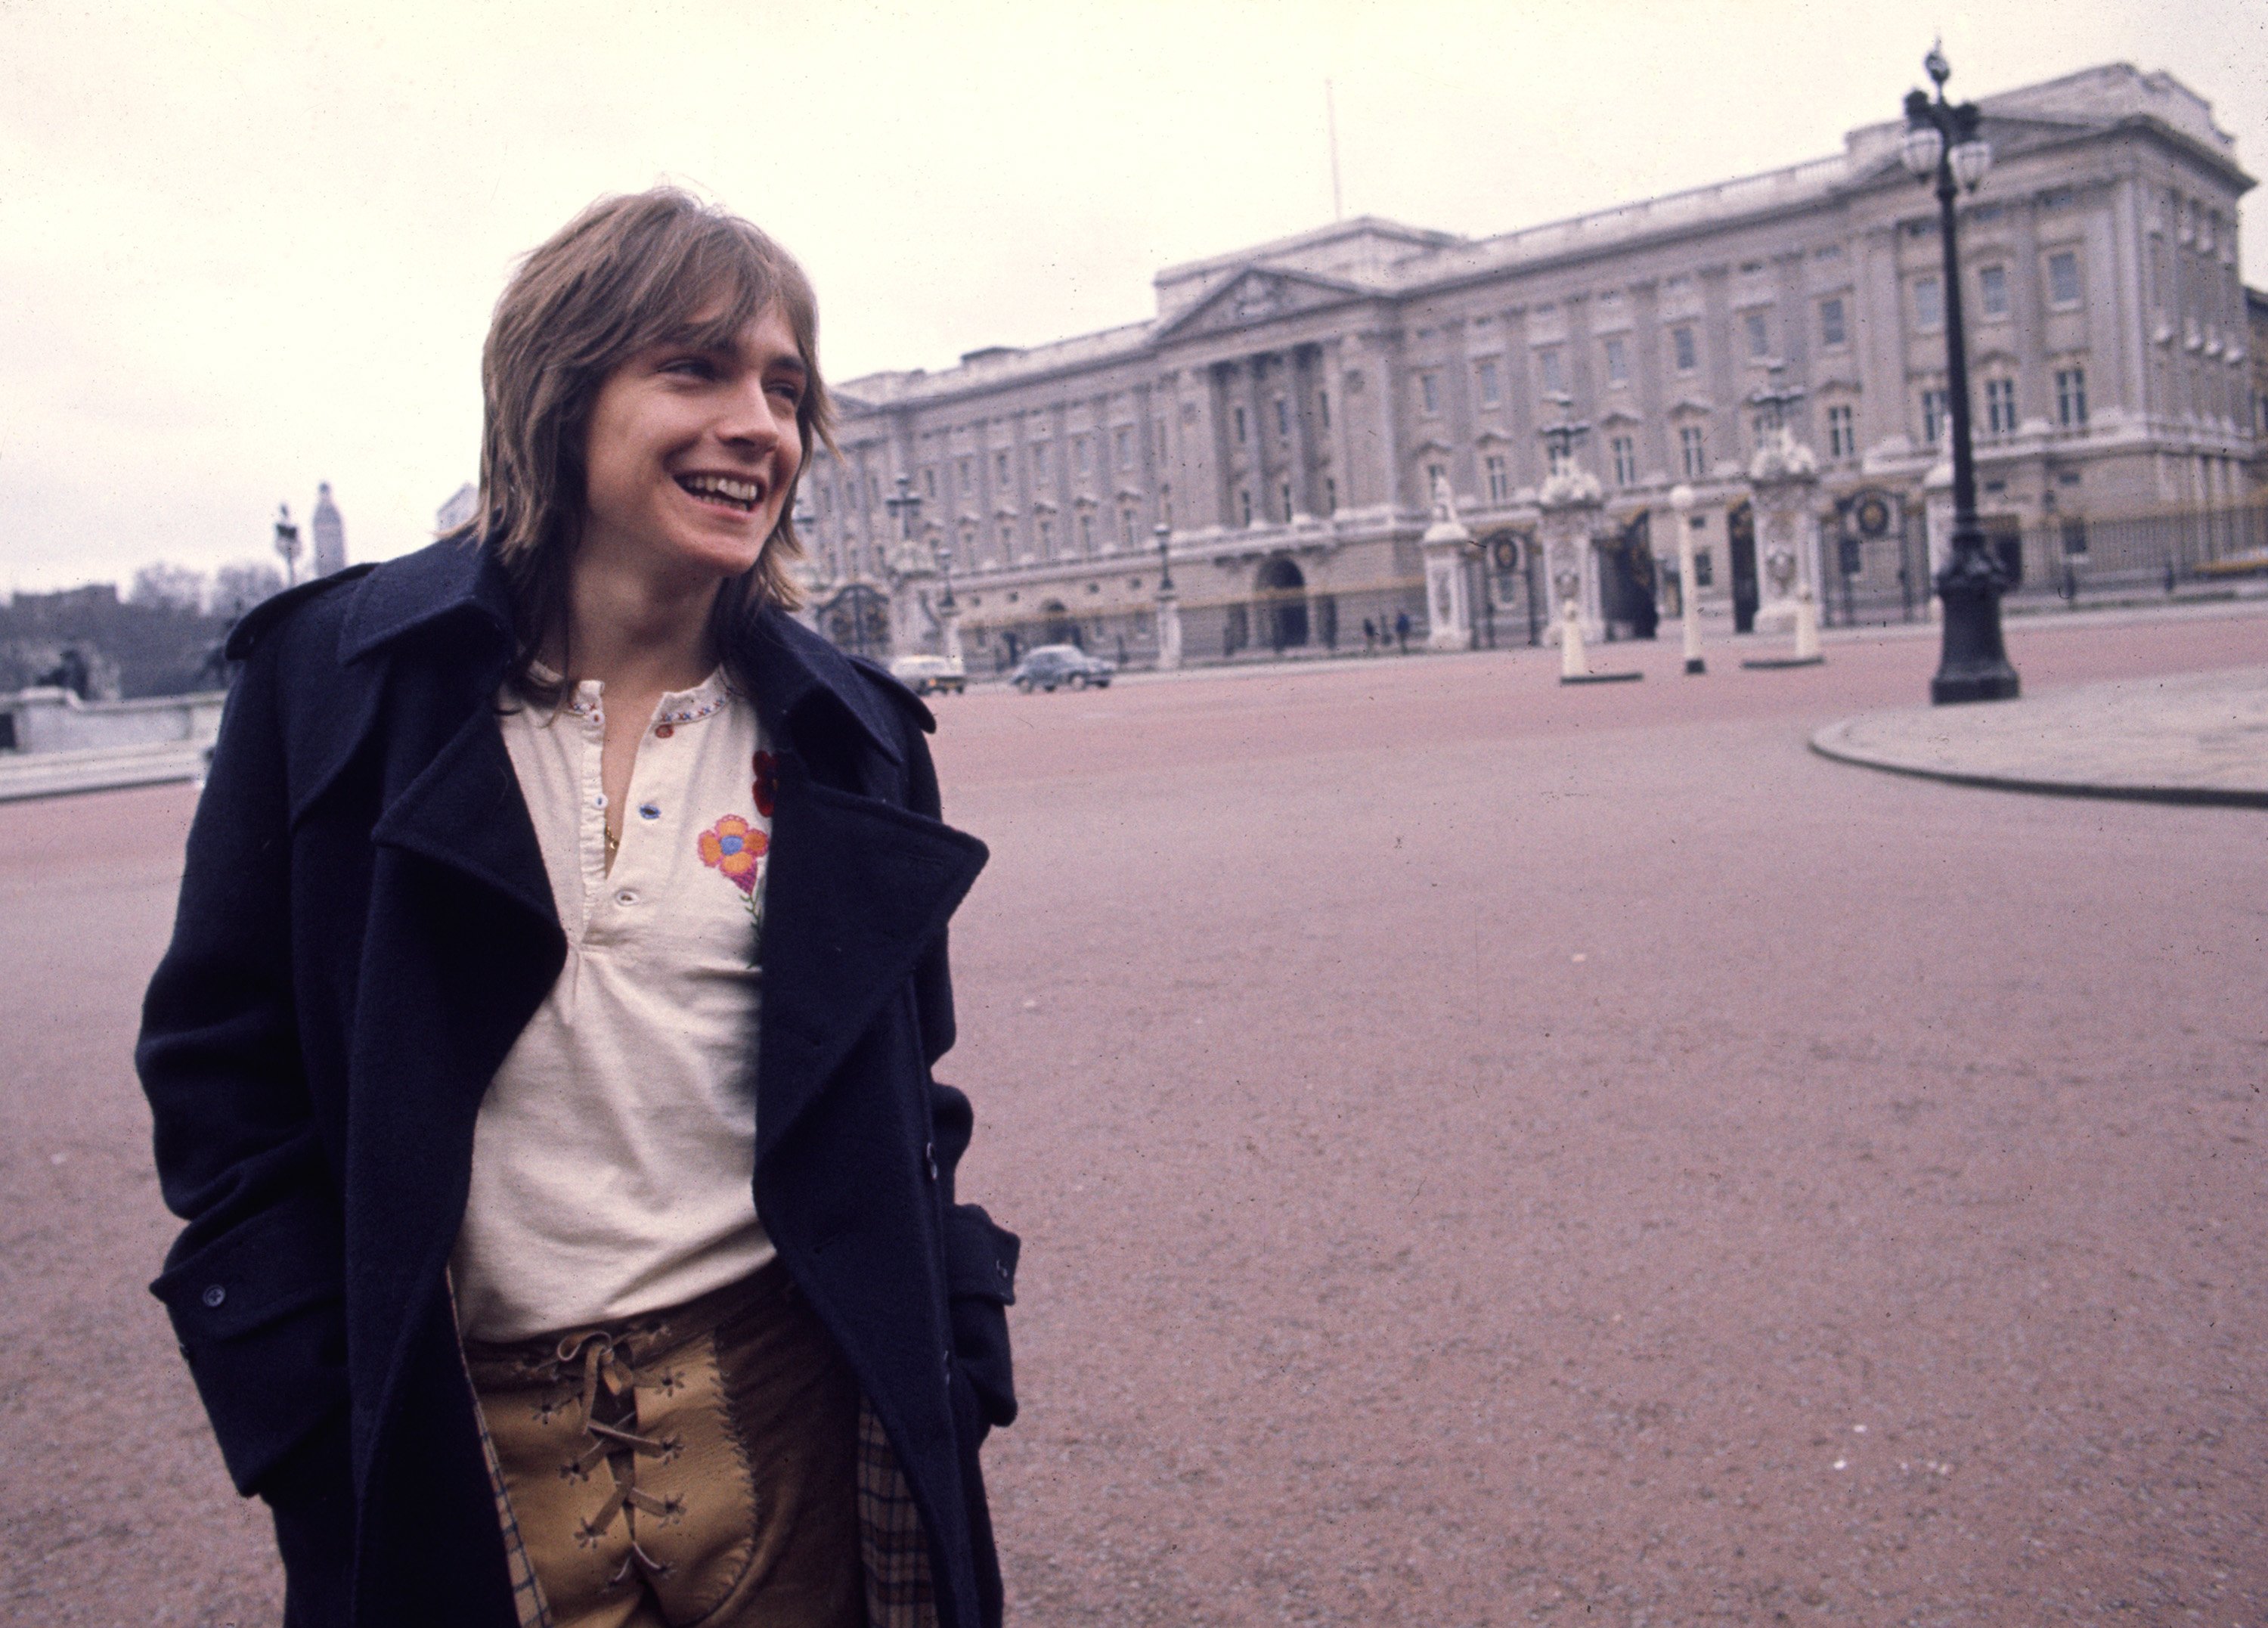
[(699, 1465)]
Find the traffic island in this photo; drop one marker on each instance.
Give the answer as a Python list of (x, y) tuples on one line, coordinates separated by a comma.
[(2198, 738)]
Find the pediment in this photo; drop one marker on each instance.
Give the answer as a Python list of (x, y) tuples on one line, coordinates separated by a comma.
[(1431, 444), (1620, 415), (1258, 295)]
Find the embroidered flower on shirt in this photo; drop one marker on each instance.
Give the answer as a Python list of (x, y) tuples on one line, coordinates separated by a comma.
[(767, 768), (736, 848)]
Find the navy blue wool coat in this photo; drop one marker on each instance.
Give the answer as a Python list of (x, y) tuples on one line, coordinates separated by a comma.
[(365, 926)]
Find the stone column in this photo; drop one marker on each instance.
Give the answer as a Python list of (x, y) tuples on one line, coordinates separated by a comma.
[(1681, 504), (948, 621), (1447, 544), (912, 578), (1784, 484), (1169, 629), (1937, 529), (1569, 503)]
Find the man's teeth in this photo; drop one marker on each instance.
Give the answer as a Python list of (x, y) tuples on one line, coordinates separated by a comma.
[(742, 492)]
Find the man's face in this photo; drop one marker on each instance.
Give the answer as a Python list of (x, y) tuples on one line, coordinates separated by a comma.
[(691, 452)]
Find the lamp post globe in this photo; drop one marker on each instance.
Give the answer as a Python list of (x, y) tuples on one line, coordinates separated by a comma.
[(1973, 663)]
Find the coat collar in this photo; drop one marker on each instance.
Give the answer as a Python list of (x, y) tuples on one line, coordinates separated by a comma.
[(795, 670)]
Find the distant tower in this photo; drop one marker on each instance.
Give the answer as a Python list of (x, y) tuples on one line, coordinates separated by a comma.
[(330, 533)]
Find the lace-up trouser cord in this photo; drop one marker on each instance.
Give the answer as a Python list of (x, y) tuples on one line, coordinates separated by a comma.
[(697, 1465)]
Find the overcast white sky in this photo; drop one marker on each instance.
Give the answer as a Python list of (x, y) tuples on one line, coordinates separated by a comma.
[(245, 247)]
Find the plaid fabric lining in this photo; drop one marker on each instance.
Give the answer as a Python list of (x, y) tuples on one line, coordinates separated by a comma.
[(899, 1590), (526, 1592), (894, 1551)]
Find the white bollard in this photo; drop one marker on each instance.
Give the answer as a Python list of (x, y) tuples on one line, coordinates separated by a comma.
[(1806, 625), (1572, 661)]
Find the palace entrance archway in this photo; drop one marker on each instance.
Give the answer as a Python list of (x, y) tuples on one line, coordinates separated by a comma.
[(1284, 603)]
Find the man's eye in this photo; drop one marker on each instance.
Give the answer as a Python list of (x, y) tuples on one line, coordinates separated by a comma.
[(690, 367), (788, 391)]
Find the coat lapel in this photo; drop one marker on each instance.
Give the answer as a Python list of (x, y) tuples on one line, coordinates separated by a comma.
[(858, 891), (465, 811)]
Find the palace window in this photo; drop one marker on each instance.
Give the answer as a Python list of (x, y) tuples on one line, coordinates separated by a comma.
[(1429, 391), (1499, 480), (1124, 438), (1244, 505), (1323, 408), (1087, 531), (1000, 469), (1686, 352), (1551, 368), (1081, 453), (1617, 360), (1007, 540), (1166, 506), (1993, 290), (1283, 416), (1704, 569), (2075, 535), (1833, 334), (1284, 495), (1933, 415), (1842, 433), (1929, 303), (1039, 461), (1436, 475), (1691, 452), (1126, 525), (1759, 332), (2062, 277), (2000, 407), (929, 481), (1047, 537), (2071, 397), (1625, 453), (967, 477), (1492, 382), (1241, 430)]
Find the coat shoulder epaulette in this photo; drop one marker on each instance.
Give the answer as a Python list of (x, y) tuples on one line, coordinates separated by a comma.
[(891, 685), (256, 624)]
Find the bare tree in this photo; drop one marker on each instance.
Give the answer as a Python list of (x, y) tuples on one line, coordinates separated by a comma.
[(237, 588), (167, 586)]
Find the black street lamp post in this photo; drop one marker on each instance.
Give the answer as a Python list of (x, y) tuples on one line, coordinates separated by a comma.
[(287, 543), (1942, 145)]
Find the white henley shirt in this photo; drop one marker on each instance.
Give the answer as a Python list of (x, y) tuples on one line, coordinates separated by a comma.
[(613, 1156)]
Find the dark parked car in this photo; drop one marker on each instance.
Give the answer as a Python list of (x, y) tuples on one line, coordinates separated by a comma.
[(1051, 665)]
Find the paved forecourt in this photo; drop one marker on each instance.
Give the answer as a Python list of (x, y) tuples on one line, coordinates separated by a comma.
[(1487, 1154)]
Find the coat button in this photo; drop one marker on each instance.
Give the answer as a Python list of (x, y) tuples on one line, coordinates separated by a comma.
[(213, 1296)]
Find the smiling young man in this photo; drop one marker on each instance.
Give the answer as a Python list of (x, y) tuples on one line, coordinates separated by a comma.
[(542, 1060)]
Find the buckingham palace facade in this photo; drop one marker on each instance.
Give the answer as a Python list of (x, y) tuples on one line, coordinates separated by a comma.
[(1291, 411)]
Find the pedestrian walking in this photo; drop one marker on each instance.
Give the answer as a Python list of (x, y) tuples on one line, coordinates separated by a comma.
[(1401, 630), (535, 1271), (1369, 637)]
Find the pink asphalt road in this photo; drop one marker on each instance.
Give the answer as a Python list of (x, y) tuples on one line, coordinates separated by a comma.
[(1486, 1153)]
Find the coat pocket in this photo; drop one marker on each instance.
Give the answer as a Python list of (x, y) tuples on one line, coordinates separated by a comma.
[(258, 1314), (981, 1260)]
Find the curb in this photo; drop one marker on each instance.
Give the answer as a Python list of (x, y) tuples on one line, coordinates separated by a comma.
[(1828, 743)]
